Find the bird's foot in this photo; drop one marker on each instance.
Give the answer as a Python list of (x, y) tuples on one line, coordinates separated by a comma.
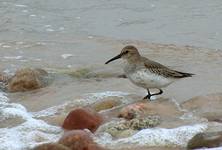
[(148, 97)]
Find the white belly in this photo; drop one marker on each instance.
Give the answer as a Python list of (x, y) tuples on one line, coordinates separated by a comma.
[(144, 78)]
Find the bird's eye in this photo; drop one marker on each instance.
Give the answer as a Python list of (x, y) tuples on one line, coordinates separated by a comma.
[(127, 52)]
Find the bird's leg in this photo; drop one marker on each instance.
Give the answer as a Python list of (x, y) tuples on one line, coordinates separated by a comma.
[(160, 92), (148, 95)]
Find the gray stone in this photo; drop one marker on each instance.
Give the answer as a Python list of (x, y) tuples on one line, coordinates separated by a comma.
[(209, 139)]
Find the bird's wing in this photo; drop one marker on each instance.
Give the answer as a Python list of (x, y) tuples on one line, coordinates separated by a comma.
[(162, 70)]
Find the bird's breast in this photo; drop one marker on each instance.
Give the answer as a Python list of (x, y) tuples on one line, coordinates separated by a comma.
[(146, 79)]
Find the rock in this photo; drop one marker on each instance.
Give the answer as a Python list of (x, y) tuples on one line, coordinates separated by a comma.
[(107, 104), (3, 81), (122, 76), (209, 140), (125, 128), (80, 73), (209, 106), (82, 119), (56, 120), (51, 146), (143, 123), (158, 137), (132, 111), (78, 140), (161, 107), (3, 77), (27, 79)]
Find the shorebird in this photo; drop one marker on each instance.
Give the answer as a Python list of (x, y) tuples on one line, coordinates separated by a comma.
[(146, 73)]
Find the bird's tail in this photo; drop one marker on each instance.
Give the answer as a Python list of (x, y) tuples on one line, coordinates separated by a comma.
[(184, 74)]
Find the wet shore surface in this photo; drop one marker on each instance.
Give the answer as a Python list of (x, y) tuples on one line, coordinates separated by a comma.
[(72, 40)]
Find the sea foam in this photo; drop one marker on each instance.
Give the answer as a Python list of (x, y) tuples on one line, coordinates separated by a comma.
[(27, 134)]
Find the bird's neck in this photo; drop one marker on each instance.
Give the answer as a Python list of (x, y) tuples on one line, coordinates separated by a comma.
[(134, 60)]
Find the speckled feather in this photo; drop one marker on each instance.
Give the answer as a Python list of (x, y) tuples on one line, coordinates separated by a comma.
[(162, 70)]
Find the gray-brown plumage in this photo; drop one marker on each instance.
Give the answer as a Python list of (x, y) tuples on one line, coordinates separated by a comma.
[(159, 69), (146, 73)]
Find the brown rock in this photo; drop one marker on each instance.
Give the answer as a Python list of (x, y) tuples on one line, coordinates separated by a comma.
[(78, 140), (161, 107), (27, 79), (51, 146), (209, 106), (82, 119), (209, 140), (132, 111)]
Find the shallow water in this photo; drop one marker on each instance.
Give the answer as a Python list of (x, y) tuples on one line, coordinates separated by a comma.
[(62, 36)]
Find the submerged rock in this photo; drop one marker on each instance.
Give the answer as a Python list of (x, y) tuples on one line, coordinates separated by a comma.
[(51, 146), (106, 104), (82, 119), (27, 79), (125, 128), (78, 140), (80, 73), (91, 72), (203, 140)]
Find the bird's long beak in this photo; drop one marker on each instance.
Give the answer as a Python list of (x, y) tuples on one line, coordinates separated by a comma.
[(114, 58)]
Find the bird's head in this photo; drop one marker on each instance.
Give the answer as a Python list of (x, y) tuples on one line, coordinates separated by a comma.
[(128, 52)]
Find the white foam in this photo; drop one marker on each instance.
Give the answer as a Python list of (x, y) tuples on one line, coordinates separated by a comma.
[(6, 46), (61, 28), (69, 66), (152, 5), (19, 42), (3, 97), (33, 15), (13, 57), (217, 148), (48, 25), (19, 5), (27, 134), (155, 137), (38, 59), (25, 11), (90, 37), (50, 30), (65, 56)]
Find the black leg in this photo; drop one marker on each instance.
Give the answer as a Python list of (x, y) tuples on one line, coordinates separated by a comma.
[(160, 92), (149, 95)]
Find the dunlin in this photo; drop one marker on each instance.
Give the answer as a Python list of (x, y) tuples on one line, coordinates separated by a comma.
[(146, 73)]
